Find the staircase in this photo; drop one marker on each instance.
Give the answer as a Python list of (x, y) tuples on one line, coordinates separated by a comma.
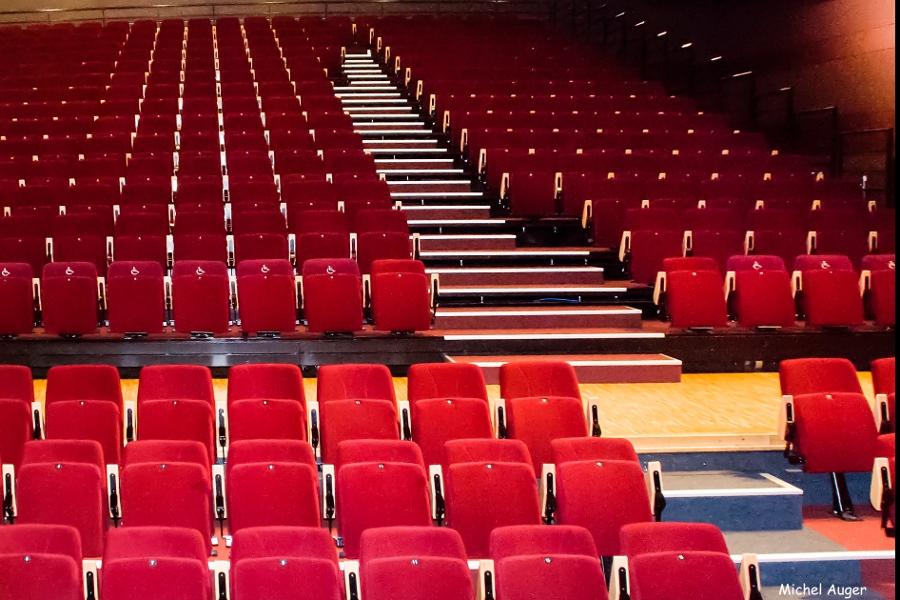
[(491, 278)]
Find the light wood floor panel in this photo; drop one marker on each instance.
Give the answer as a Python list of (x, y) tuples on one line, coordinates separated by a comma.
[(724, 410)]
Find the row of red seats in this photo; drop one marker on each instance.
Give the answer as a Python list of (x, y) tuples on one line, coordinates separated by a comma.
[(265, 297), (649, 235), (414, 563), (824, 290), (364, 230)]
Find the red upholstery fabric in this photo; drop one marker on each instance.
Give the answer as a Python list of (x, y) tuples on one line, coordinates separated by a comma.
[(273, 494), (538, 540), (814, 375), (602, 496), (886, 445), (592, 448), (364, 419), (696, 299), (332, 295), (607, 229), (884, 297), (266, 381), (260, 246), (649, 248), (764, 299), (65, 494), (365, 221), (298, 578), (155, 542), (482, 496), (756, 262), (17, 298), (95, 420), (822, 262), (59, 540), (191, 420), (689, 263), (165, 451), (379, 451), (42, 576), (200, 296), (787, 244), (267, 296), (401, 302), (163, 578), (683, 576), (418, 578), (532, 194), (539, 421), (69, 298), (648, 538), (352, 381), (380, 245), (84, 382), (204, 247), (538, 378), (437, 421), (269, 451), (326, 244), (135, 297), (169, 495), (141, 248), (883, 375), (445, 380), (16, 396), (380, 495), (551, 576), (283, 542), (266, 419), (486, 450), (835, 432), (176, 382), (395, 542)]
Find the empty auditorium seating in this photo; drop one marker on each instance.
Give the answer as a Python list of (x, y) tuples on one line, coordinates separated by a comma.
[(448, 402), (271, 491), (267, 296), (69, 298), (84, 402), (42, 561), (287, 562), (168, 494), (266, 401), (680, 560), (696, 299), (160, 562), (135, 297), (373, 495), (401, 295), (356, 402), (487, 493), (415, 563), (63, 483), (201, 301), (543, 403), (818, 375), (761, 294), (832, 433), (16, 396), (554, 562), (17, 293), (332, 295), (176, 402)]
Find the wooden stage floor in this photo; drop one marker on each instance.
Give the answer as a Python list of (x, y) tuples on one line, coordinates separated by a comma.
[(704, 412)]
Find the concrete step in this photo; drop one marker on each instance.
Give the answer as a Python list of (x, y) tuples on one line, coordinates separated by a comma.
[(484, 276), (466, 242), (537, 317), (518, 256), (509, 294), (438, 166), (594, 368), (404, 145), (433, 212), (433, 187)]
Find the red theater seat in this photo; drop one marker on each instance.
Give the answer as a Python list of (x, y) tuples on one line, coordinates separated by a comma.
[(332, 295), (267, 296), (69, 297), (696, 299), (41, 561), (135, 297), (401, 296), (17, 296), (417, 563), (818, 375)]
